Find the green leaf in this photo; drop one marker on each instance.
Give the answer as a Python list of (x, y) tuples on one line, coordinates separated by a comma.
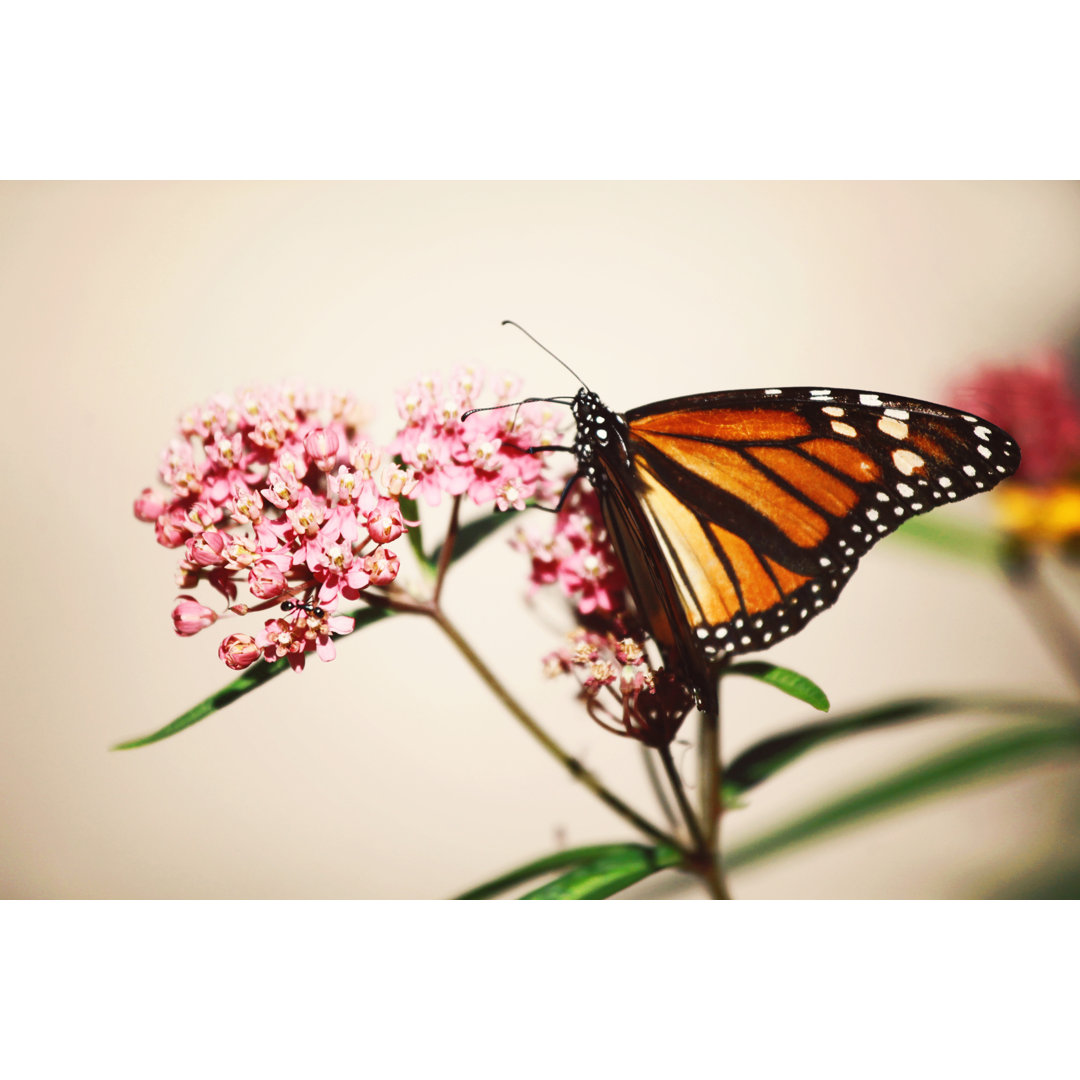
[(1003, 752), (791, 682), (983, 546), (559, 861), (762, 760), (609, 874), (260, 672), (474, 532)]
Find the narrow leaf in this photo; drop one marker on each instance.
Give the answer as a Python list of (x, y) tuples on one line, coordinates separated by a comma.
[(603, 877), (1003, 752), (791, 682), (472, 533), (259, 673), (982, 546), (559, 861), (762, 760)]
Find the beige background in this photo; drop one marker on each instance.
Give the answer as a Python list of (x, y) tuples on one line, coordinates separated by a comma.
[(391, 772)]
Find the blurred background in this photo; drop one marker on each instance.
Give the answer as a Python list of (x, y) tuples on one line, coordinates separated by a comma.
[(392, 773)]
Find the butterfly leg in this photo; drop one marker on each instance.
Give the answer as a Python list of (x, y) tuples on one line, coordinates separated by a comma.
[(562, 498)]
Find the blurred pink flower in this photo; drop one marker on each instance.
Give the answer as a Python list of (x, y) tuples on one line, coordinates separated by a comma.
[(577, 556), (1032, 400)]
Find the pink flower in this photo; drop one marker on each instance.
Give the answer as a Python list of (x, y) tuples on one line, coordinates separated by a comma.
[(622, 692), (578, 556), (300, 633), (1034, 402), (149, 505), (385, 522), (382, 567), (207, 549), (251, 500), (322, 445), (189, 616), (486, 455), (265, 580), (238, 651), (171, 527)]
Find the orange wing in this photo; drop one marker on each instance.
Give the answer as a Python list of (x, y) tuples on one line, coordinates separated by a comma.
[(739, 516)]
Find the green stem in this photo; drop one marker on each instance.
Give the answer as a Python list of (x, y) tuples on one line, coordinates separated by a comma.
[(680, 797), (1045, 612), (571, 764), (657, 786)]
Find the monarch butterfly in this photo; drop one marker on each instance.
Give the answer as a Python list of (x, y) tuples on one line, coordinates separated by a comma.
[(738, 516)]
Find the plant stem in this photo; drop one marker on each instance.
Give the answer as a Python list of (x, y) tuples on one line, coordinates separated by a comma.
[(447, 552), (1045, 612), (710, 775), (658, 788), (571, 764), (680, 797)]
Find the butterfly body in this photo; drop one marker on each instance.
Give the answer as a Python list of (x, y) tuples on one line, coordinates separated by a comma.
[(740, 515)]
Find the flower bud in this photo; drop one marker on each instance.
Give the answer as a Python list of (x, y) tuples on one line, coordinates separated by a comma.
[(322, 445), (189, 616), (238, 651), (265, 580), (207, 549), (149, 506)]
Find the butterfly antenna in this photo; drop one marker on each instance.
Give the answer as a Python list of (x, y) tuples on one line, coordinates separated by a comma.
[(516, 404), (510, 322)]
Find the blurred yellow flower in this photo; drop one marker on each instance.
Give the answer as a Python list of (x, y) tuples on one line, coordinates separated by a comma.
[(1040, 515)]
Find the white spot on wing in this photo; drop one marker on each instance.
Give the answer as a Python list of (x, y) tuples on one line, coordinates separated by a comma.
[(907, 461), (843, 429), (896, 414), (891, 426), (869, 399), (833, 410)]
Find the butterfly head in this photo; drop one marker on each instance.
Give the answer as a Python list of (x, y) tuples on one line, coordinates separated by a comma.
[(598, 427)]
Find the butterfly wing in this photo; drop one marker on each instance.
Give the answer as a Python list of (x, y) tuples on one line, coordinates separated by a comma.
[(740, 515)]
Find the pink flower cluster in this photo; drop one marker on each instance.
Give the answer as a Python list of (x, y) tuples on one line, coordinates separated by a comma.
[(1034, 401), (277, 489), (621, 691), (577, 556), (486, 456)]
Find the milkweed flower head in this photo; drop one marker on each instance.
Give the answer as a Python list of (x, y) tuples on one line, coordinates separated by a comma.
[(1034, 399), (576, 555), (277, 490), (485, 456), (622, 692)]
